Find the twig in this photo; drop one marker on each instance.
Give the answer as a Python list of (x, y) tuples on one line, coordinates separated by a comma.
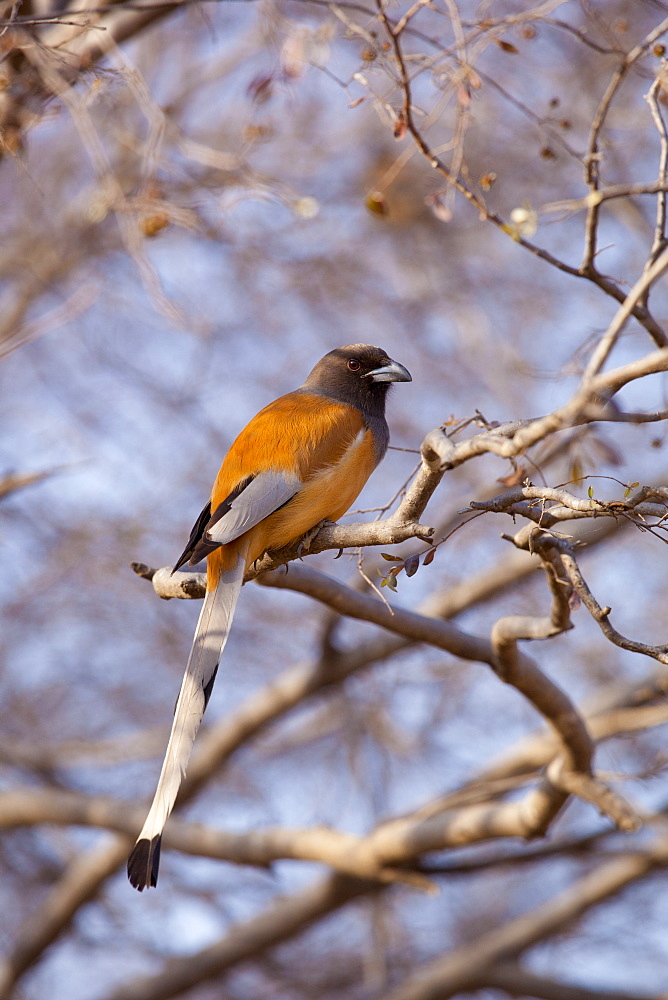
[(592, 160), (601, 615), (655, 90), (587, 269), (508, 441), (638, 294)]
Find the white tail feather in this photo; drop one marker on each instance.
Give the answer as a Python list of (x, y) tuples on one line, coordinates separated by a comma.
[(213, 628)]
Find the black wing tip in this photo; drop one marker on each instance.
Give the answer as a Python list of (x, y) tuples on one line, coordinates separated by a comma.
[(198, 530), (144, 862)]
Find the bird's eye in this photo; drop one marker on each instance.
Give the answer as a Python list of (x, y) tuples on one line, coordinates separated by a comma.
[(354, 365)]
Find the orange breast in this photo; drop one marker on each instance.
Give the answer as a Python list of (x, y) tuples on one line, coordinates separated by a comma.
[(328, 493), (324, 443)]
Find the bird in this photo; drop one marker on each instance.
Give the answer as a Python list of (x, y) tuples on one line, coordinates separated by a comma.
[(301, 461)]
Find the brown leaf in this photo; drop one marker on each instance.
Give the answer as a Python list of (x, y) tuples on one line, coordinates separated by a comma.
[(151, 225), (514, 478), (429, 558), (506, 46), (412, 564), (261, 88)]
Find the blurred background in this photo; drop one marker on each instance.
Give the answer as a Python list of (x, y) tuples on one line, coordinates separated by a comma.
[(192, 215)]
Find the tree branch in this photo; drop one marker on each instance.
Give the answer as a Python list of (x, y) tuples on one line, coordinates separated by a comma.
[(78, 885), (466, 967), (517, 981)]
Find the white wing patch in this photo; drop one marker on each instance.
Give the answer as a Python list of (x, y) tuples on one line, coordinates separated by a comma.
[(263, 495)]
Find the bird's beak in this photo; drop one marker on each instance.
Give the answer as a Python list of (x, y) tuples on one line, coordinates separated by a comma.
[(394, 372)]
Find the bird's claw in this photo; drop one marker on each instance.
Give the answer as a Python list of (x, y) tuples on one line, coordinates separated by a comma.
[(305, 543)]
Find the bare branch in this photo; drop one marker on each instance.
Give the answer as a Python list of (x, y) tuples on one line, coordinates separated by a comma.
[(515, 980), (19, 480), (464, 968), (601, 614), (79, 884), (638, 293), (587, 269), (510, 440), (653, 99), (279, 922), (593, 157)]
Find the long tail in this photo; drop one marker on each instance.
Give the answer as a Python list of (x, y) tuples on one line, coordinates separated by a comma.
[(211, 635)]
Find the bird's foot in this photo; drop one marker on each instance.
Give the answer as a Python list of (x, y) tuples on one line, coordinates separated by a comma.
[(305, 543)]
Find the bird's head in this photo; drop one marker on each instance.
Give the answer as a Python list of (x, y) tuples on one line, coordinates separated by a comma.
[(357, 374)]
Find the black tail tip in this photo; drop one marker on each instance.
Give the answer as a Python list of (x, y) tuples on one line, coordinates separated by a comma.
[(144, 862)]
